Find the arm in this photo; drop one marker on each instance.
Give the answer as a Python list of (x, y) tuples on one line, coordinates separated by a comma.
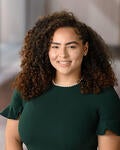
[(12, 139), (109, 141)]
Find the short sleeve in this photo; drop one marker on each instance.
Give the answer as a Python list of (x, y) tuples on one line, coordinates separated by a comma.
[(109, 112), (14, 109)]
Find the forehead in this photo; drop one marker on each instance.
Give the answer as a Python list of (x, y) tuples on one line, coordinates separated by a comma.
[(67, 33)]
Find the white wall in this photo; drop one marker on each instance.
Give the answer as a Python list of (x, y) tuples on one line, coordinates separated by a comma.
[(102, 15)]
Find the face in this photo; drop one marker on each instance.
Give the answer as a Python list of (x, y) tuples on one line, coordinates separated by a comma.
[(66, 51)]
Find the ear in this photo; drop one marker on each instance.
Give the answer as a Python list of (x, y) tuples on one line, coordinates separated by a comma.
[(86, 48)]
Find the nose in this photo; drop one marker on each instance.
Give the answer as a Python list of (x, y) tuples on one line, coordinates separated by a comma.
[(63, 52)]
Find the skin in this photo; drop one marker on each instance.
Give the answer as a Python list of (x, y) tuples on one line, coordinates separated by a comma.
[(109, 141), (12, 138), (66, 53)]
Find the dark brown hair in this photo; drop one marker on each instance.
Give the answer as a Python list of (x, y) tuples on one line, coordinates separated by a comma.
[(37, 72)]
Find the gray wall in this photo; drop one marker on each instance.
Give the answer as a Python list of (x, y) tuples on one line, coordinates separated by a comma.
[(12, 21), (34, 9), (19, 15), (102, 15)]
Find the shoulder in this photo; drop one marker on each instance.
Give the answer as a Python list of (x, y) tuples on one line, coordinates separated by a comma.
[(109, 102), (15, 107), (109, 91), (16, 98), (108, 95), (108, 108)]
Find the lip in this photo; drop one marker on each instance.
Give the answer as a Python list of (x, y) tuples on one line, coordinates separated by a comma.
[(64, 63)]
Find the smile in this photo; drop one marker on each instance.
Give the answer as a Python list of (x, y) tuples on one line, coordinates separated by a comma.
[(64, 62)]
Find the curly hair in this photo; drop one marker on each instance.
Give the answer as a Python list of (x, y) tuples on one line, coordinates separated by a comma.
[(37, 72)]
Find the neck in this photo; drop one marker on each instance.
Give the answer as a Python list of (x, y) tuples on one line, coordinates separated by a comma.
[(66, 81), (66, 85)]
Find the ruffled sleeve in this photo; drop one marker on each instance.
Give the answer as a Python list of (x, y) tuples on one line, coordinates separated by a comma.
[(109, 112), (14, 109)]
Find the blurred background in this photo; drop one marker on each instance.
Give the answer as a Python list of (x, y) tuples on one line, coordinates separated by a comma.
[(17, 16)]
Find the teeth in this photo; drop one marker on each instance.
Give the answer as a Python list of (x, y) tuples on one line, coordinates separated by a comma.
[(64, 62)]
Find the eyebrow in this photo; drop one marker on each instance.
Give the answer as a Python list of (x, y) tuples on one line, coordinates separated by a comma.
[(72, 42)]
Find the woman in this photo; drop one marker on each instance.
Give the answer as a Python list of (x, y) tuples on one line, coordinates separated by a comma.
[(64, 97)]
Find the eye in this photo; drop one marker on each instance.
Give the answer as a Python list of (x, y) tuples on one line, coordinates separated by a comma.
[(72, 46), (54, 46)]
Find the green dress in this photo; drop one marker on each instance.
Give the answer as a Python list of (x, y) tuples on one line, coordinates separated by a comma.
[(64, 119)]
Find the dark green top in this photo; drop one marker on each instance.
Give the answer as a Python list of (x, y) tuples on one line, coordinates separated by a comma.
[(64, 119)]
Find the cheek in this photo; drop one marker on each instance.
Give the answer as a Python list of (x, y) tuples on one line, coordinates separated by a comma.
[(52, 55), (77, 56), (77, 59)]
